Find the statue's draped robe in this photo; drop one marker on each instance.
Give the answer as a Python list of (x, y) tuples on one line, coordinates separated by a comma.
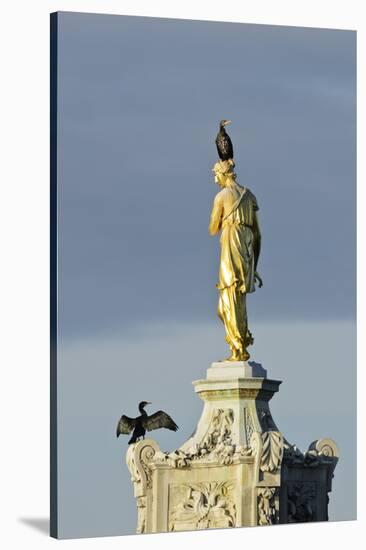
[(237, 263)]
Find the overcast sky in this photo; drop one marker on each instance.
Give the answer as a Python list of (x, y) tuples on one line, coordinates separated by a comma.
[(139, 104)]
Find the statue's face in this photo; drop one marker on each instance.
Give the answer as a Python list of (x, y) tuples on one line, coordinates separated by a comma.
[(219, 178)]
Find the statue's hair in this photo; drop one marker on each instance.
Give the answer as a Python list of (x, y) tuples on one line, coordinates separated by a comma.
[(225, 167)]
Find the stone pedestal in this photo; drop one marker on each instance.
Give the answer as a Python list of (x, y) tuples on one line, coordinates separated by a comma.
[(237, 469)]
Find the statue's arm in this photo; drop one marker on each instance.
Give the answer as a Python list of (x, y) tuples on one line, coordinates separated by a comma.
[(257, 239), (216, 216)]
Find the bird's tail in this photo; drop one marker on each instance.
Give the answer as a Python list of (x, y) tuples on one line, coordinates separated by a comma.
[(132, 440)]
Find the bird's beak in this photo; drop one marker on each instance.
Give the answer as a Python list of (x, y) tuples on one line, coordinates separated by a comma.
[(148, 403), (227, 122)]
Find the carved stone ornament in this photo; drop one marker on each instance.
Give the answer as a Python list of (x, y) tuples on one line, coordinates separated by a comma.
[(272, 451), (216, 446), (267, 510), (248, 425), (321, 451), (301, 502), (204, 505)]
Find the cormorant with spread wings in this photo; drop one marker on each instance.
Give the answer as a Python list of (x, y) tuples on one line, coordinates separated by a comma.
[(144, 422)]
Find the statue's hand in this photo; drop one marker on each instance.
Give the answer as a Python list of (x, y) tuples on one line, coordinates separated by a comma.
[(258, 279)]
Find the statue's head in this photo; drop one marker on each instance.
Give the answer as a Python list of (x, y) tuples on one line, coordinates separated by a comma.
[(223, 170)]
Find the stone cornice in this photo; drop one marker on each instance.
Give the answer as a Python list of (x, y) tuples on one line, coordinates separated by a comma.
[(241, 388)]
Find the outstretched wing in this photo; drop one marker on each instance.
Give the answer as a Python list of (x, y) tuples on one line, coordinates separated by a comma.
[(160, 419), (125, 425)]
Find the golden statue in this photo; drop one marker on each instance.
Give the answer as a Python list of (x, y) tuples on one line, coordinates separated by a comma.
[(234, 212)]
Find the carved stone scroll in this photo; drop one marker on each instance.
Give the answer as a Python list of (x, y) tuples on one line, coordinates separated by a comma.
[(326, 448), (138, 458)]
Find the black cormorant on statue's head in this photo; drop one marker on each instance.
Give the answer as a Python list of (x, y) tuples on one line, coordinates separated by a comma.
[(223, 142)]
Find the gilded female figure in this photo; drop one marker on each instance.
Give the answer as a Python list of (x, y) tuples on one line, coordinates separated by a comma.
[(234, 212)]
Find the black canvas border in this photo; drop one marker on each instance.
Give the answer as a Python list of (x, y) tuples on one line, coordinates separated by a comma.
[(53, 275)]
